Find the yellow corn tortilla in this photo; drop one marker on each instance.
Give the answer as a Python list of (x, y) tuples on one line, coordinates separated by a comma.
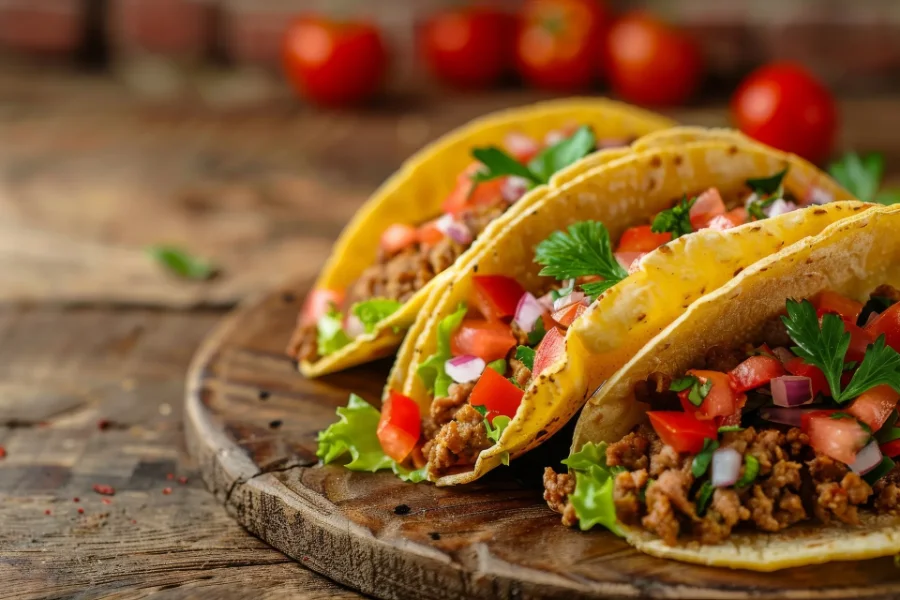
[(626, 191), (414, 195), (851, 257)]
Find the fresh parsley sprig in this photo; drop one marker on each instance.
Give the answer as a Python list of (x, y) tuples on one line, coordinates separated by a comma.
[(676, 220), (861, 175), (699, 391), (497, 163), (767, 190), (584, 250)]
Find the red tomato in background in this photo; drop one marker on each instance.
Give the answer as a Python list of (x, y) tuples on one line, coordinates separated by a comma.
[(334, 63), (559, 43), (650, 62), (399, 426), (319, 302), (784, 106), (468, 47)]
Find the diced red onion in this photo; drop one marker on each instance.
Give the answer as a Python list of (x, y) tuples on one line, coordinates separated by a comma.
[(782, 353), (572, 298), (629, 260), (456, 231), (867, 459), (780, 207), (726, 467), (519, 144), (353, 326), (546, 301), (513, 188), (463, 369), (528, 311), (785, 416), (872, 316), (816, 195), (791, 390), (555, 137)]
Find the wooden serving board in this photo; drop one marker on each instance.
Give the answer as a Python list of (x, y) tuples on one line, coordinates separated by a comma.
[(252, 421)]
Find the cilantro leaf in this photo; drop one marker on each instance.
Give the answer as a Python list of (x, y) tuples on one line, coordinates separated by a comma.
[(498, 163), (884, 467), (371, 312), (330, 334), (495, 429), (683, 383), (701, 461), (498, 365), (355, 434), (730, 428), (766, 186), (887, 197), (481, 409), (537, 334), (699, 391), (584, 250), (180, 263), (824, 346), (676, 220), (751, 470), (757, 208), (880, 366), (431, 371), (564, 291), (704, 495), (525, 355), (563, 153), (861, 175)]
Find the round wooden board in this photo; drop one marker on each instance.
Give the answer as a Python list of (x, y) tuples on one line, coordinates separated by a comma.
[(252, 421)]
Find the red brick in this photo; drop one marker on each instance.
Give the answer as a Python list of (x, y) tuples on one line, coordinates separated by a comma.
[(179, 28)]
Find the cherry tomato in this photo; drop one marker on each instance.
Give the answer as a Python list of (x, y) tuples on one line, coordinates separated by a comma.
[(567, 314), (681, 430), (887, 323), (796, 366), (318, 302), (497, 296), (784, 106), (497, 394), (334, 63), (468, 47), (397, 237), (559, 43), (755, 372), (721, 401), (551, 348), (874, 406), (399, 426), (831, 302), (642, 239), (706, 207), (650, 62), (465, 196), (488, 340), (839, 438)]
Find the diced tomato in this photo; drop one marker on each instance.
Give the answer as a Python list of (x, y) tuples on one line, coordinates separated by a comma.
[(497, 394), (642, 239), (567, 314), (399, 426), (729, 220), (549, 350), (497, 296), (831, 302), (318, 302), (522, 147), (887, 323), (796, 366), (429, 234), (629, 260), (397, 237), (810, 414), (859, 341), (721, 401), (839, 438), (465, 196), (891, 449), (874, 406), (488, 340), (708, 205), (681, 430), (755, 372)]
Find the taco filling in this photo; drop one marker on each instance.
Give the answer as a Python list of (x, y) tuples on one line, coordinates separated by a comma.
[(800, 426), (411, 256)]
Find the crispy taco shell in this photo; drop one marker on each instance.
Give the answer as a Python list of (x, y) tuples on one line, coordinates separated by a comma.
[(414, 194), (624, 192), (851, 257)]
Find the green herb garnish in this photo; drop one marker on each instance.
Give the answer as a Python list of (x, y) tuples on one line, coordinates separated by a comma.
[(525, 355), (751, 471), (701, 461), (699, 391), (594, 482), (182, 264), (563, 292), (862, 176), (884, 467), (371, 312), (431, 371), (768, 190), (676, 220), (584, 250), (498, 365), (704, 495), (330, 334), (730, 428), (495, 429)]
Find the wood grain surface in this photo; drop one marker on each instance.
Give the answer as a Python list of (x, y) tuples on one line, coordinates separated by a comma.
[(251, 423)]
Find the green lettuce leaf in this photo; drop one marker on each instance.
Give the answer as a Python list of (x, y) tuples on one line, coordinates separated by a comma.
[(498, 365), (593, 497), (354, 433), (331, 336), (371, 312), (495, 430), (431, 370)]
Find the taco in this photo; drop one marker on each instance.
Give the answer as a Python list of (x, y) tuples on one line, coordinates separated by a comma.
[(758, 431), (496, 369), (404, 240)]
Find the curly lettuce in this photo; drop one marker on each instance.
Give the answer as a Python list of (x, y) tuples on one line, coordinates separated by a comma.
[(371, 312), (431, 371), (331, 336), (593, 497)]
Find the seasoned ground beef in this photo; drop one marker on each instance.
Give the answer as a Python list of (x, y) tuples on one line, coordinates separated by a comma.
[(519, 372), (443, 409), (839, 501), (724, 512), (626, 495), (629, 452), (724, 359), (303, 345), (557, 489), (457, 442), (655, 392), (479, 217)]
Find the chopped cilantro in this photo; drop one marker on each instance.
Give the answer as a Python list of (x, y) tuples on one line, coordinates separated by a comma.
[(862, 175), (371, 312), (180, 263), (730, 428), (330, 334), (768, 185), (498, 365), (584, 250), (525, 355), (701, 461), (431, 371), (884, 467), (537, 334), (683, 383), (756, 208), (563, 292), (704, 495), (699, 391), (480, 408), (751, 471), (676, 220)]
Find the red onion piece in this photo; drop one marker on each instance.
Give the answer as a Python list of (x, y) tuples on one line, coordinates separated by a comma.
[(572, 298), (782, 354), (555, 137), (353, 327), (463, 369), (726, 467), (528, 311), (513, 188), (816, 195), (780, 207), (628, 260), (867, 459), (872, 316), (453, 229), (791, 390), (519, 144), (546, 301), (785, 416)]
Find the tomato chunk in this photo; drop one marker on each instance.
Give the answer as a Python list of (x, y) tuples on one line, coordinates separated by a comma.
[(891, 449), (887, 323), (429, 234), (397, 237), (488, 340), (708, 205), (831, 302), (721, 401), (859, 341), (755, 372), (567, 314), (497, 394), (497, 296), (399, 427), (549, 350), (729, 220), (840, 438), (319, 302), (642, 239), (681, 430), (796, 366), (629, 260), (464, 195), (874, 406)]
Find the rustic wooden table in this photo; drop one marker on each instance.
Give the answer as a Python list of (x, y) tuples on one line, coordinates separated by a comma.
[(95, 340)]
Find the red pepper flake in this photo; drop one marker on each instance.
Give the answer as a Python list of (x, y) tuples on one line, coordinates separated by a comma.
[(105, 500), (182, 480), (134, 521), (76, 499), (2, 452), (103, 424), (80, 511), (106, 490), (167, 491), (170, 476), (47, 512)]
